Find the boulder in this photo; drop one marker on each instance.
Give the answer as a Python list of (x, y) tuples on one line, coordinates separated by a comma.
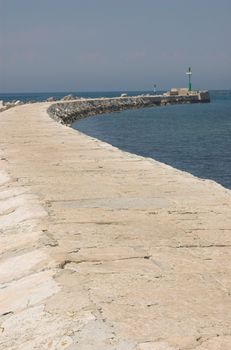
[(68, 98), (50, 99), (18, 102)]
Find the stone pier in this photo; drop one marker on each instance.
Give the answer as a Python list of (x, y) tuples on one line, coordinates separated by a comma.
[(104, 250)]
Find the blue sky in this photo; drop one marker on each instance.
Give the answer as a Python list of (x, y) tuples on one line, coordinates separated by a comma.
[(98, 45)]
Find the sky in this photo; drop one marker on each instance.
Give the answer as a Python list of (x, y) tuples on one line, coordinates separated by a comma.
[(105, 45)]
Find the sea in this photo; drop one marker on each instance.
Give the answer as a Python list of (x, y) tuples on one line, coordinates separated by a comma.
[(194, 137)]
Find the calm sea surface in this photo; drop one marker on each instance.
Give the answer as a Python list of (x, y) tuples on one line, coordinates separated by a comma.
[(195, 138)]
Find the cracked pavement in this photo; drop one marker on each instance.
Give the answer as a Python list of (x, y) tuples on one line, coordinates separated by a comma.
[(105, 250)]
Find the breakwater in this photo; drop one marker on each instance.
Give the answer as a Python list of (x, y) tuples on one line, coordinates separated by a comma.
[(113, 251), (68, 112)]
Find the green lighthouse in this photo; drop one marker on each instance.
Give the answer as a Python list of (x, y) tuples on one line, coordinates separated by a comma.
[(189, 73)]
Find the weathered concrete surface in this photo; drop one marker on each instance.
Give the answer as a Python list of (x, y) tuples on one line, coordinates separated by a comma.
[(104, 250)]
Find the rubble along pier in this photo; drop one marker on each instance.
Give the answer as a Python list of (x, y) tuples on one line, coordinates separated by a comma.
[(68, 112)]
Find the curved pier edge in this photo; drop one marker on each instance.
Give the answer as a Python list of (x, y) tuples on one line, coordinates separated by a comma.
[(102, 249)]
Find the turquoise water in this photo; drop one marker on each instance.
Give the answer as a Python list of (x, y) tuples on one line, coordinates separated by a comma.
[(195, 138)]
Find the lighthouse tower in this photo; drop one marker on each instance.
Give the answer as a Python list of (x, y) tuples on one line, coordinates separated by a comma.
[(189, 73)]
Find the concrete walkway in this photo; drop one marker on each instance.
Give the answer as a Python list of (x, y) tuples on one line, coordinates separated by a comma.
[(104, 250)]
